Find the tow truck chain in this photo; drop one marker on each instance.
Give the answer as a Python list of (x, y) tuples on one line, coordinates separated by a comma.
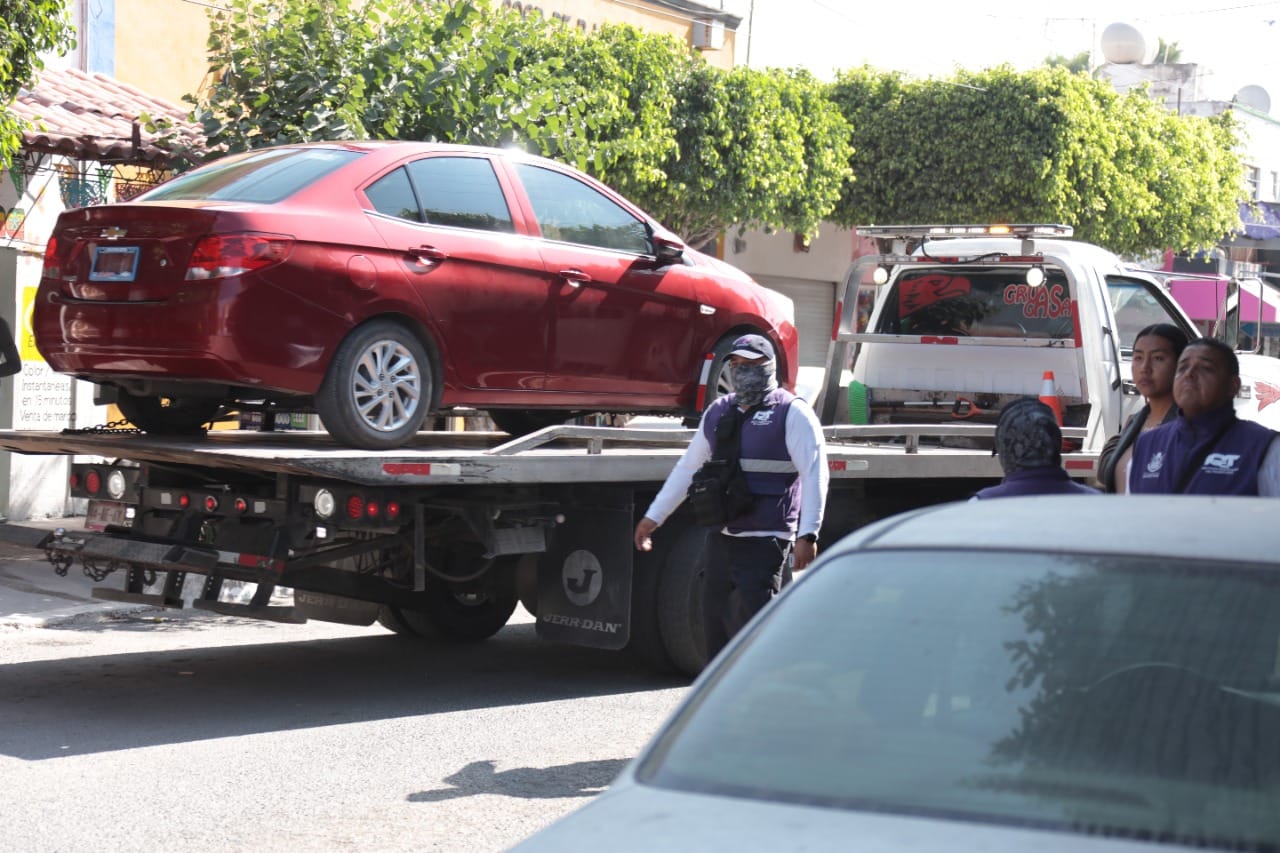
[(109, 428), (99, 573), (61, 562)]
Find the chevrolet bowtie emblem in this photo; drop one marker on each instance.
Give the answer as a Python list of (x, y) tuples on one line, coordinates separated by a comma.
[(115, 232)]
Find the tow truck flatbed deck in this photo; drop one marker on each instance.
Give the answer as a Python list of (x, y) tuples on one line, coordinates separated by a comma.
[(565, 454)]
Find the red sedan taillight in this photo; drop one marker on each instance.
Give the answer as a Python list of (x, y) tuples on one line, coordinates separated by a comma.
[(223, 255), (52, 263)]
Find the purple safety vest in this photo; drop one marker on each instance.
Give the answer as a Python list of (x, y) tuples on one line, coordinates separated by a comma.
[(1050, 480), (1230, 467), (770, 474)]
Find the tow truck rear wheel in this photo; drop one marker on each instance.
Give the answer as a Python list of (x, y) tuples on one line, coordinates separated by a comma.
[(645, 644), (406, 623), (680, 601), (455, 613), (470, 616), (168, 415)]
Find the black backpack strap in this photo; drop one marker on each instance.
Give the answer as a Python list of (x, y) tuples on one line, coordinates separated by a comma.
[(729, 432)]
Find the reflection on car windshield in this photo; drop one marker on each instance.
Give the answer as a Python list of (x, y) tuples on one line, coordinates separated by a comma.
[(262, 177), (1114, 696), (978, 302)]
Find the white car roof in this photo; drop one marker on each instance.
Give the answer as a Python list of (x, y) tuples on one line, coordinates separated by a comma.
[(1188, 526)]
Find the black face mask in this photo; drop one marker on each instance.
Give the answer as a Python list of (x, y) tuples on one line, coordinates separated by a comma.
[(751, 382)]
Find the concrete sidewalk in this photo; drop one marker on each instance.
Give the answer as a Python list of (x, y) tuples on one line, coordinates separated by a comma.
[(33, 595)]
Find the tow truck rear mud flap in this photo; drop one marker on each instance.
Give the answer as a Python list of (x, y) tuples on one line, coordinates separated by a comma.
[(584, 578)]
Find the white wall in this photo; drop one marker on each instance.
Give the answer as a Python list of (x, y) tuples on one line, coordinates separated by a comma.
[(37, 398), (759, 253)]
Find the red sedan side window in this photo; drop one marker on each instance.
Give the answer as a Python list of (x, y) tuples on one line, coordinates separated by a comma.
[(573, 212), (392, 194), (462, 192)]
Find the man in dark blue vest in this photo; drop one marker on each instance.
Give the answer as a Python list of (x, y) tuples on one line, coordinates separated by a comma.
[(1207, 450), (783, 456), (1029, 444)]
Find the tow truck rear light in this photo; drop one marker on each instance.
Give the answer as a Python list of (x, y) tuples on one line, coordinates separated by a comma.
[(224, 255), (355, 507), (325, 503), (371, 509), (210, 504), (392, 510), (242, 505), (184, 501), (92, 482)]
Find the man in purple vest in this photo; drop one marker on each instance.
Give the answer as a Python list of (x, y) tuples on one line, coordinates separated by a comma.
[(1207, 450), (784, 458), (1029, 444)]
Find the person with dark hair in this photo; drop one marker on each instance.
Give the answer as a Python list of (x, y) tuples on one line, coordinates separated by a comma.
[(1207, 450), (1155, 358), (1029, 444)]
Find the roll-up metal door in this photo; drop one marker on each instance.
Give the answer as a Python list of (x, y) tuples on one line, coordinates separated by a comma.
[(815, 312)]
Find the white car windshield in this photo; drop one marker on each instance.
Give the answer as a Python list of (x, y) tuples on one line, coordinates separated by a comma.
[(1123, 697)]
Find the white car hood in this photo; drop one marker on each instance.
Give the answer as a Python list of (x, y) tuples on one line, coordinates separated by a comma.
[(641, 818)]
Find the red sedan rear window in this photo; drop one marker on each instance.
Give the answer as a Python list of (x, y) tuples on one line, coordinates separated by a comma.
[(262, 177)]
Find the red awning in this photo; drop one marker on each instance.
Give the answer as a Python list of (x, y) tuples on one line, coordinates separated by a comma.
[(97, 118)]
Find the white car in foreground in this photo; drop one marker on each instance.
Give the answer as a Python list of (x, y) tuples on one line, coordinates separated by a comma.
[(1049, 673)]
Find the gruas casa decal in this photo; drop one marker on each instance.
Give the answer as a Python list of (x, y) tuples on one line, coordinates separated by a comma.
[(1046, 301)]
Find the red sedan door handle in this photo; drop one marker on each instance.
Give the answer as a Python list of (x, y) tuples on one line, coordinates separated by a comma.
[(574, 277), (427, 254)]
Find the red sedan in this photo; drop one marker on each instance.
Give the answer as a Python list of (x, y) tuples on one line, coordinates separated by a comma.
[(378, 282)]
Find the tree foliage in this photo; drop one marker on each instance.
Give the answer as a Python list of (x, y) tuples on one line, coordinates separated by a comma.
[(1039, 146), (703, 149), (1167, 52), (764, 148), (758, 148), (28, 28), (1075, 64)]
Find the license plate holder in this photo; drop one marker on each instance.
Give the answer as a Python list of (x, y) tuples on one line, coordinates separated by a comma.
[(103, 514), (113, 263)]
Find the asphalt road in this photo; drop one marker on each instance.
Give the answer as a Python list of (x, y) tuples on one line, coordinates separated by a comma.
[(193, 732)]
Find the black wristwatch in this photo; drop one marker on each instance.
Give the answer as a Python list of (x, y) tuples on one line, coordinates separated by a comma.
[(812, 537)]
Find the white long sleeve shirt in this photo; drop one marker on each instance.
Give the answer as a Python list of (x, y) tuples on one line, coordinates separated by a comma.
[(808, 452)]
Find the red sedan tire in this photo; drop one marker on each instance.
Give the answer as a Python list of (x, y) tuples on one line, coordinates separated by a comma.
[(378, 388)]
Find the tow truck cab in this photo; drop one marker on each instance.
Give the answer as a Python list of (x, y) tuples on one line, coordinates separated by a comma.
[(969, 317)]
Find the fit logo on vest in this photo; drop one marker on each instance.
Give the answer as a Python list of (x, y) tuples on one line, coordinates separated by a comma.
[(764, 417), (1221, 463), (1156, 463)]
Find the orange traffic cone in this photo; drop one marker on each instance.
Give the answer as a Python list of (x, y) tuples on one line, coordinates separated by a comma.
[(1049, 395)]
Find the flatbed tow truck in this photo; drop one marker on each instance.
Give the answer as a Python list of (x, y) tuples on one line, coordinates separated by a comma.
[(445, 536)]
